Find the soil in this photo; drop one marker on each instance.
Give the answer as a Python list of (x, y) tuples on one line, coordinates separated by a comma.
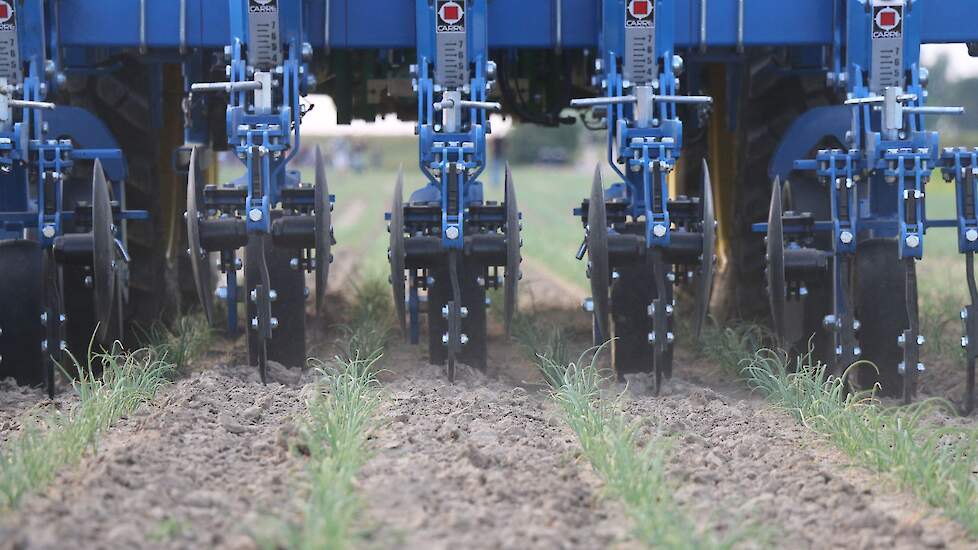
[(484, 463), (198, 467)]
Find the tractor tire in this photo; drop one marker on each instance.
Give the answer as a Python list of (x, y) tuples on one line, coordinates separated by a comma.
[(160, 285), (770, 100), (288, 343)]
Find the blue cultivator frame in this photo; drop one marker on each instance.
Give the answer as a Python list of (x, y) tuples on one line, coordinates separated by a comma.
[(876, 187), (635, 226), (269, 207), (448, 239), (53, 211), (448, 243)]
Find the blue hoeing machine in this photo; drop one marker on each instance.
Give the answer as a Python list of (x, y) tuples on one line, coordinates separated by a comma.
[(786, 139)]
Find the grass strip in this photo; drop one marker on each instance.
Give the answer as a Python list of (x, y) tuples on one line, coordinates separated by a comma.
[(936, 463), (59, 439), (632, 473), (335, 433), (340, 417)]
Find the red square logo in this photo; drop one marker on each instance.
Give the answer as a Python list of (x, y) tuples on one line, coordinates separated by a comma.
[(641, 7), (451, 13), (4, 11), (888, 18)]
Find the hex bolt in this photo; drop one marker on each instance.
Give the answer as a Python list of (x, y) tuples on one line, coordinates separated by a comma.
[(464, 339), (803, 291), (659, 230), (971, 234), (857, 351), (305, 292), (669, 309), (920, 339), (221, 293), (44, 318), (480, 280), (444, 339), (845, 237), (651, 310), (255, 215), (62, 345), (838, 350), (488, 301), (964, 313), (964, 341), (444, 312), (452, 232), (48, 231), (652, 337), (913, 241), (671, 277), (920, 367), (828, 321), (88, 281), (615, 275), (670, 337), (901, 340), (429, 280), (856, 325), (274, 323), (464, 311), (254, 323), (61, 319), (44, 345), (902, 368), (254, 295), (294, 263)]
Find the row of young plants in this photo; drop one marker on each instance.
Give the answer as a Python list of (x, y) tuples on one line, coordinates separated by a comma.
[(934, 461), (633, 472), (53, 440), (340, 416)]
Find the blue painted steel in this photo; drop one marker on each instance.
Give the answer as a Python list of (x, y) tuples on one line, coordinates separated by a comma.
[(805, 133), (452, 159), (512, 23), (41, 145)]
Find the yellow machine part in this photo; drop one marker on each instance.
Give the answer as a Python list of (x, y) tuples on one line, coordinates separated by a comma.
[(174, 193)]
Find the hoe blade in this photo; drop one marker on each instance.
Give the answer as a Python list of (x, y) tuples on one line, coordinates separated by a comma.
[(597, 249), (397, 251), (198, 256), (103, 252), (775, 262), (513, 244), (704, 289), (324, 231)]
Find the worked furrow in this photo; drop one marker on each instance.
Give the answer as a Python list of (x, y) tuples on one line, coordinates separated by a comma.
[(774, 475), (205, 464), (480, 464)]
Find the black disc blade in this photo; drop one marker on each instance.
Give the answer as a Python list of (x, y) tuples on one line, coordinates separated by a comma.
[(103, 252), (397, 251), (198, 256), (597, 250), (775, 262), (324, 228), (704, 290), (513, 244)]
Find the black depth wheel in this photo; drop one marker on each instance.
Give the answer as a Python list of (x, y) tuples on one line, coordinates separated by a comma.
[(881, 308), (20, 316), (288, 343)]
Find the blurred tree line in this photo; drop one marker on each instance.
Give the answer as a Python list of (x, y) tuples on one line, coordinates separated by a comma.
[(960, 92)]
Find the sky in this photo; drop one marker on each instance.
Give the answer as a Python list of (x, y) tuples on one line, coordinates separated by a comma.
[(962, 65)]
